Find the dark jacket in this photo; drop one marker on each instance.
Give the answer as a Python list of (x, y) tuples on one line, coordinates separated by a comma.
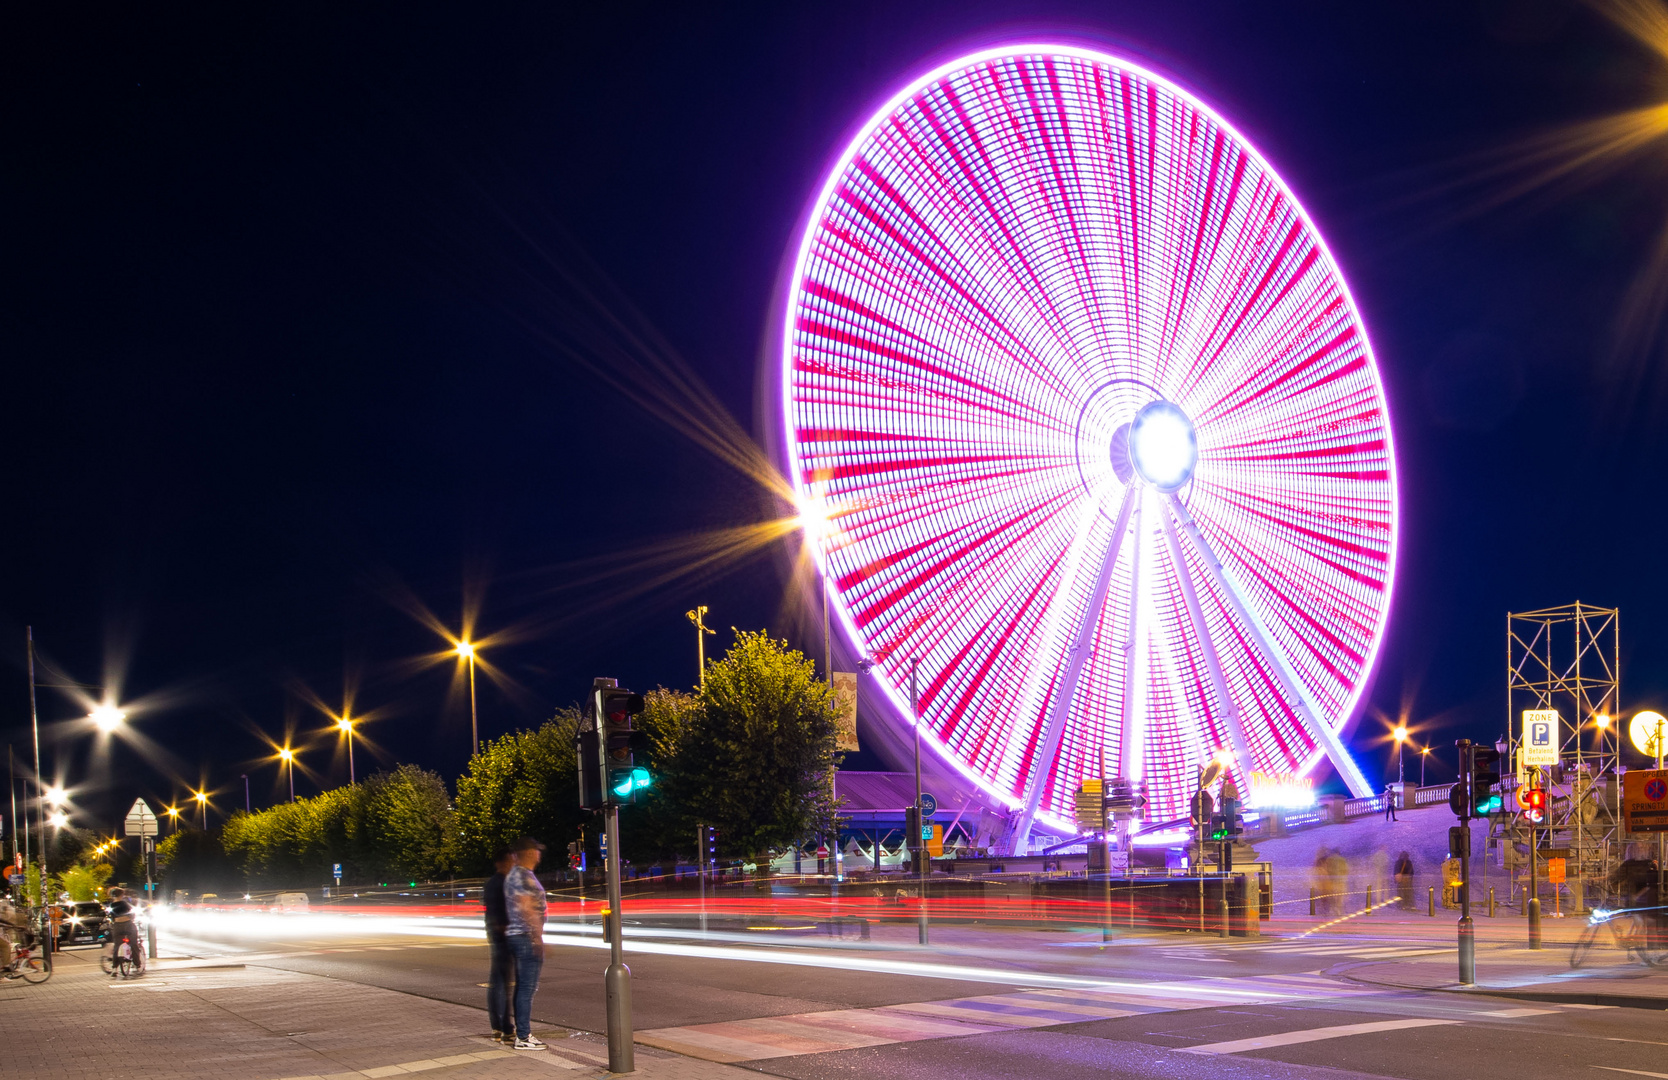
[(497, 915)]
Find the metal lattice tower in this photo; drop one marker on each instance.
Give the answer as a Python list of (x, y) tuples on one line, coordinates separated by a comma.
[(1569, 659)]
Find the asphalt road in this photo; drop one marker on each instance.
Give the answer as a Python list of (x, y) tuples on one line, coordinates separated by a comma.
[(1169, 1006)]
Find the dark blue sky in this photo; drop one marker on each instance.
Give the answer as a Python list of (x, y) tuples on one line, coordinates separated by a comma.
[(276, 323)]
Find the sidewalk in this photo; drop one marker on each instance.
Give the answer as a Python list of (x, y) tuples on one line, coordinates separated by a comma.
[(1607, 978), (194, 1019)]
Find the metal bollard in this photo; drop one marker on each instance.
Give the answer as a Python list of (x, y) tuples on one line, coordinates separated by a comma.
[(1222, 911), (1535, 922), (1491, 901), (1311, 900), (1433, 901), (1369, 898)]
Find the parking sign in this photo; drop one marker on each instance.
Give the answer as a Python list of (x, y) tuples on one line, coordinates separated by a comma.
[(1541, 737)]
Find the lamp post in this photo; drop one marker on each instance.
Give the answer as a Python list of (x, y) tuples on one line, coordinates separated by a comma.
[(1424, 754), (288, 757), (174, 813), (916, 841), (698, 617), (345, 726), (467, 650), (40, 804), (202, 803), (246, 806), (1401, 739)]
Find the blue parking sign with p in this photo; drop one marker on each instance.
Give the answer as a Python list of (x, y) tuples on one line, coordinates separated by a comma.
[(1540, 733)]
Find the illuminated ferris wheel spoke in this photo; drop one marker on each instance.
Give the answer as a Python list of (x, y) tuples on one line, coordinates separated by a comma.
[(1043, 281), (1230, 715), (1298, 698), (1076, 658)]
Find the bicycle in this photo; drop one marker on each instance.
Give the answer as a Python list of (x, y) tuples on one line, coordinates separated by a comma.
[(26, 965), (122, 962), (1629, 931)]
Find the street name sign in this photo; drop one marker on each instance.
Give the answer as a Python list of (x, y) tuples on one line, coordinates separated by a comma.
[(139, 821), (1541, 737)]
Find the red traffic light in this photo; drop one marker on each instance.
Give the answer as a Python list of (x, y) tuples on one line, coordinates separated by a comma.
[(1532, 799)]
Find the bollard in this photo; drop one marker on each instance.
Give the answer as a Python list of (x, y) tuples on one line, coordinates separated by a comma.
[(1491, 901), (1222, 910), (1369, 898), (1467, 953), (1432, 911), (1535, 922), (1311, 900)]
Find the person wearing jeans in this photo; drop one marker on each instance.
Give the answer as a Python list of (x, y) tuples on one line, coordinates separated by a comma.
[(502, 970), (524, 902)]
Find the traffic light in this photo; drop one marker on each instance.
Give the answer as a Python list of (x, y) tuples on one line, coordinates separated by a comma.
[(708, 839), (576, 856), (1534, 804), (620, 743), (1485, 774), (588, 749)]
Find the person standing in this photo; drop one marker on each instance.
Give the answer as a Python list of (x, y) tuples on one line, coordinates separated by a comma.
[(1389, 802), (525, 903), (502, 960)]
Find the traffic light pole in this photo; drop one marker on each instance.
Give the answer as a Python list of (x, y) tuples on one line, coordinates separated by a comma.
[(617, 980), (916, 843), (1467, 932)]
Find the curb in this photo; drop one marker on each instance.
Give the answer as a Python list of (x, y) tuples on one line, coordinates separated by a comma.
[(1556, 997)]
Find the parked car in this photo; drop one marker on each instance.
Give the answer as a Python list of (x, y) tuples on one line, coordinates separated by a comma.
[(291, 903), (82, 923)]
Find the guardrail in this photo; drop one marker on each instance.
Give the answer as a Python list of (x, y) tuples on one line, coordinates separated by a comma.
[(1373, 804), (1435, 795)]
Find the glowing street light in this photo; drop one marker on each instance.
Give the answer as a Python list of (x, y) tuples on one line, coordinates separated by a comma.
[(345, 725), (108, 718), (174, 812), (55, 796), (57, 819), (288, 757), (466, 650), (1400, 735), (202, 803), (1424, 756), (1649, 732)]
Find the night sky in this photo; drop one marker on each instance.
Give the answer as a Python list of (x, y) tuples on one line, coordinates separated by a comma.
[(288, 321)]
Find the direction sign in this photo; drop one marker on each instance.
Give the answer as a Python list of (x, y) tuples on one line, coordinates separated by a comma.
[(929, 805), (1541, 737), (139, 821), (1645, 800)]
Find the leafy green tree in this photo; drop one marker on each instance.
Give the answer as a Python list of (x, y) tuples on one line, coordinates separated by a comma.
[(521, 784), (754, 759), (85, 881), (402, 825), (657, 824)]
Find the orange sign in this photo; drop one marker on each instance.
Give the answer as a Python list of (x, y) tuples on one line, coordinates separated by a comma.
[(1555, 871), (1645, 800)]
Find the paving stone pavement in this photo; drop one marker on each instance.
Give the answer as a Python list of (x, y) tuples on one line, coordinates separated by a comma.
[(190, 1019)]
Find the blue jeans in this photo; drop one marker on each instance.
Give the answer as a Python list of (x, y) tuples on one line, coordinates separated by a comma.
[(529, 961), (498, 982)]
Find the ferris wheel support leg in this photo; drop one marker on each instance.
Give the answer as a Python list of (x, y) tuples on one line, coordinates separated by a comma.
[(1232, 721), (1019, 829), (1302, 706)]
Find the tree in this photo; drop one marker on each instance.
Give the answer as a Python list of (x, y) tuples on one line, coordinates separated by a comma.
[(521, 784), (754, 760), (402, 825), (658, 824)]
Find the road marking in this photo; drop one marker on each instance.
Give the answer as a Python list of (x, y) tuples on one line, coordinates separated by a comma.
[(1518, 1012), (416, 1066), (1288, 1038), (1635, 1072)]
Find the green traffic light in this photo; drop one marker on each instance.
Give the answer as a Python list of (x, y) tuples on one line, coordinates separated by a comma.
[(627, 782)]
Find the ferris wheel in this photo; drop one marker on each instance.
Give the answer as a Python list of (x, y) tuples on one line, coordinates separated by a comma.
[(1096, 431)]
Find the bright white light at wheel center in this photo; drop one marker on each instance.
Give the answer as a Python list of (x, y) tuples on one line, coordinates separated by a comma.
[(1162, 446)]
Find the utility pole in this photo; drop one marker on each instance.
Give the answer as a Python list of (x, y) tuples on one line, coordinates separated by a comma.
[(40, 791), (1533, 907), (1467, 932), (915, 842)]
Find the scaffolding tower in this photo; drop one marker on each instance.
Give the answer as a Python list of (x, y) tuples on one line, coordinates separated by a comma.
[(1566, 659)]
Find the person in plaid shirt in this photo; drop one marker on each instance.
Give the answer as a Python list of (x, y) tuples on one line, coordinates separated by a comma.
[(525, 903)]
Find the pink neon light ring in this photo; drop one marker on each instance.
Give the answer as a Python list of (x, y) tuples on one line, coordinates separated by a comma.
[(1014, 260)]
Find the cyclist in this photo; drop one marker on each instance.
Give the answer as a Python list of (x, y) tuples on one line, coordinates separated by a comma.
[(124, 926)]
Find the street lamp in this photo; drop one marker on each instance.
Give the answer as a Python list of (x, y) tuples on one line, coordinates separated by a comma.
[(1424, 755), (1401, 739), (345, 726), (288, 757), (466, 650), (174, 812), (55, 796), (57, 819), (107, 717), (697, 616), (202, 803)]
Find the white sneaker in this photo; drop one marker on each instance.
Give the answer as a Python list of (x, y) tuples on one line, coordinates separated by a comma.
[(531, 1042)]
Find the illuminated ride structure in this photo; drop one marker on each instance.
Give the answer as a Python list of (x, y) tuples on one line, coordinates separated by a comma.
[(1095, 434)]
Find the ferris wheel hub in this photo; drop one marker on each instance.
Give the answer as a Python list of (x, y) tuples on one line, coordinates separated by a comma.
[(1162, 445)]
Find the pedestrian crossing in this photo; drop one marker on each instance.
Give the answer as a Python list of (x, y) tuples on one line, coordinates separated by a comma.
[(1295, 948), (851, 1029)]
